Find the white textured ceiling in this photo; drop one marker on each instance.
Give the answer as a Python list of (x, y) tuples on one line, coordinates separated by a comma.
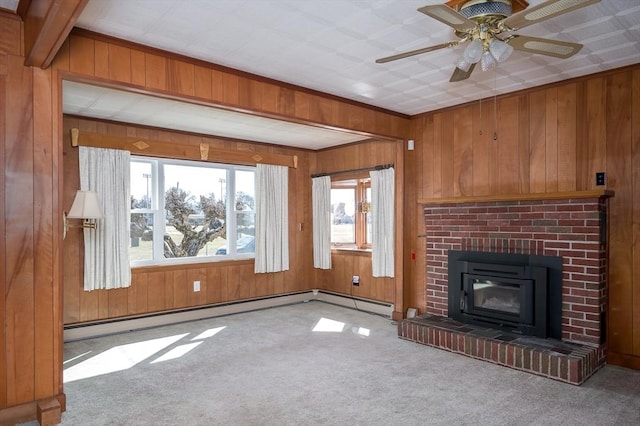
[(127, 107), (332, 45)]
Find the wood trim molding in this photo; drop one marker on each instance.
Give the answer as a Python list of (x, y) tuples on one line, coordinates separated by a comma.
[(520, 197), (47, 24), (203, 152)]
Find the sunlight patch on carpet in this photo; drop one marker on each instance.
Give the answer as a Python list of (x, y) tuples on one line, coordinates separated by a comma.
[(209, 333), (329, 325), (177, 352), (118, 358)]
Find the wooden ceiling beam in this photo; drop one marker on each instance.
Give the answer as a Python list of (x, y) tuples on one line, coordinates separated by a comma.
[(47, 24), (163, 149)]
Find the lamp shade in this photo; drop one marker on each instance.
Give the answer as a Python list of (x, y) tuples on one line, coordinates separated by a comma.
[(473, 52), (488, 62), (500, 50), (85, 206), (463, 65)]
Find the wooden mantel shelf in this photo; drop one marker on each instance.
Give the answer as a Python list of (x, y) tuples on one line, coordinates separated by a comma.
[(596, 193)]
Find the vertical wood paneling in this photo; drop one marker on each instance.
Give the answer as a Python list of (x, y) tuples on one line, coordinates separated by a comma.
[(44, 210), (413, 186), (120, 63), (83, 58), (101, 65), (181, 77), (508, 144), (447, 154), (635, 229), (202, 82), (551, 140), (537, 146), (230, 83), (72, 245), (180, 288), (89, 305), (593, 146), (138, 297), (480, 166), (618, 157), (3, 254), (138, 68), (157, 297), (567, 140), (117, 305), (437, 156), (155, 71), (493, 148), (523, 144), (19, 233), (463, 152)]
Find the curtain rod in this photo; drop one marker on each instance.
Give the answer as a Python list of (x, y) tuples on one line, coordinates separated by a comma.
[(365, 169)]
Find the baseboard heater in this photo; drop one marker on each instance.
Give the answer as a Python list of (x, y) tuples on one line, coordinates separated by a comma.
[(120, 325)]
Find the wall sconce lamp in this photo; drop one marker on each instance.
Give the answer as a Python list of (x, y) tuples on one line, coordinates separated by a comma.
[(85, 206)]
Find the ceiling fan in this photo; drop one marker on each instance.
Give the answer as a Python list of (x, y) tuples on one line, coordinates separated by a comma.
[(487, 27)]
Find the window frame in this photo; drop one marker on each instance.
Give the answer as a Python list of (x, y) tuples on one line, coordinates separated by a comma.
[(359, 182), (158, 192)]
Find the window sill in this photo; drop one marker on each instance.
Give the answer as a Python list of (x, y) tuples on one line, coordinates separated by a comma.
[(354, 250), (190, 265)]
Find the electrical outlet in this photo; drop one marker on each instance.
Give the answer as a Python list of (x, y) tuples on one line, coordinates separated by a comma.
[(355, 280), (196, 286), (600, 177)]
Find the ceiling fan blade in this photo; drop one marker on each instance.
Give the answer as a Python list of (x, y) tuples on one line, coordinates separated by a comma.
[(416, 52), (448, 16), (459, 75), (543, 11), (544, 46)]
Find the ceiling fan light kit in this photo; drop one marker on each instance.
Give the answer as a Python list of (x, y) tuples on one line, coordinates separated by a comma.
[(488, 26), (500, 50), (488, 62)]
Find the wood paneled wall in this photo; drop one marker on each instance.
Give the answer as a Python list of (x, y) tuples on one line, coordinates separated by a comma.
[(155, 289), (346, 263), (549, 139), (31, 197), (30, 225), (111, 61)]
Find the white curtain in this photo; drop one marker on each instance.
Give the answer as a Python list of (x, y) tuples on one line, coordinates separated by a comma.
[(321, 205), (272, 219), (106, 249), (382, 231)]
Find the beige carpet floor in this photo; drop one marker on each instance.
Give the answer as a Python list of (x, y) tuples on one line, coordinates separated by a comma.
[(317, 364)]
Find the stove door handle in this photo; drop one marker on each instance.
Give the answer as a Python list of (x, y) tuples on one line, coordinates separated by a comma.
[(463, 301)]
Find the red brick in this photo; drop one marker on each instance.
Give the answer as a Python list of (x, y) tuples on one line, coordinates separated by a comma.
[(544, 363), (535, 362), (575, 371)]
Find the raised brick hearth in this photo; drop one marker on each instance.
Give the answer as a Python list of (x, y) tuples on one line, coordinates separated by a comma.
[(572, 227)]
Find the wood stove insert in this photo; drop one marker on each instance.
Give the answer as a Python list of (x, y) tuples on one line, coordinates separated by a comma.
[(512, 292)]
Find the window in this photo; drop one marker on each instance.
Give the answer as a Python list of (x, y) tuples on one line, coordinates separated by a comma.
[(350, 217), (188, 211)]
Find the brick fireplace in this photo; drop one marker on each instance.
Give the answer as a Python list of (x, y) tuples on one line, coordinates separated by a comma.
[(569, 226)]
